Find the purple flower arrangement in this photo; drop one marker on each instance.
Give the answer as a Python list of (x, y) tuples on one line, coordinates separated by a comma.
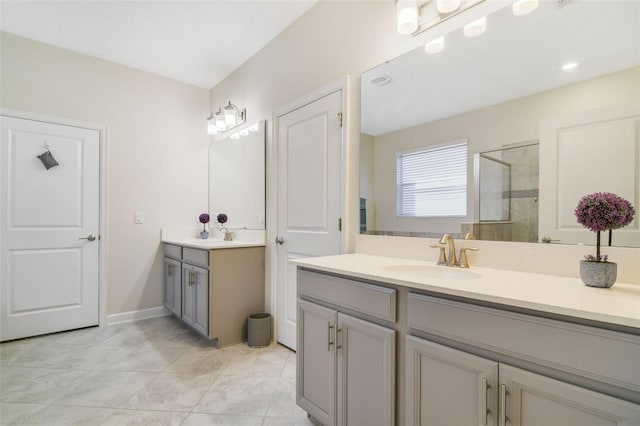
[(603, 211), (222, 218), (204, 219)]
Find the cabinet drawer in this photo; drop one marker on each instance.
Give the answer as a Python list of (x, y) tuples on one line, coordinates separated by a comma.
[(601, 355), (369, 299), (172, 251), (196, 257)]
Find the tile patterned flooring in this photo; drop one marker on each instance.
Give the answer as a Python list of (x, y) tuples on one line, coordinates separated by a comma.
[(149, 372)]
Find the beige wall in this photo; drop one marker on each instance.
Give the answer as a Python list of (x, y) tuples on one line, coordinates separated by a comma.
[(488, 128), (157, 150)]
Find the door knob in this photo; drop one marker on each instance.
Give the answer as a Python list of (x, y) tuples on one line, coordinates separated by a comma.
[(279, 241), (89, 237)]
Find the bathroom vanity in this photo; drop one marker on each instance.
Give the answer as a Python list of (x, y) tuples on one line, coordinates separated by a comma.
[(387, 341), (213, 286)]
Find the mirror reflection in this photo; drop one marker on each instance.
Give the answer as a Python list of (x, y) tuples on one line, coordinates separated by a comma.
[(566, 77), (237, 178)]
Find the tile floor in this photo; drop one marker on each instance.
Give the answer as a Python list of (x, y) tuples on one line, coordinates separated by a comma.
[(150, 372)]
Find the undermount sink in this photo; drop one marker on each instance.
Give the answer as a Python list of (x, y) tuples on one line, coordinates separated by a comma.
[(435, 272)]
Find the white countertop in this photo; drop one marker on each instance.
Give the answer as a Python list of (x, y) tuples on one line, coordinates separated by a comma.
[(618, 305), (210, 244)]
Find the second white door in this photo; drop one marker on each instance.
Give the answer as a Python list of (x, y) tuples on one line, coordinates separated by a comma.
[(49, 224), (309, 174)]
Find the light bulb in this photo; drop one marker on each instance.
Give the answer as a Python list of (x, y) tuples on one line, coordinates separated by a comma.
[(230, 116), (253, 127), (235, 136), (244, 132), (476, 27), (522, 7), (435, 46), (407, 11), (211, 126), (220, 124), (447, 6)]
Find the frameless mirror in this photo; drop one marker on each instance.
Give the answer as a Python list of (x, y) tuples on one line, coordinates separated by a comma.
[(565, 76), (237, 179)]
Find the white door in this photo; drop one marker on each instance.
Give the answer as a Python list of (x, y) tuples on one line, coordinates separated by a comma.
[(49, 223), (309, 174), (583, 153)]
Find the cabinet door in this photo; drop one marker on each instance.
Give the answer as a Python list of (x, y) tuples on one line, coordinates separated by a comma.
[(316, 361), (173, 286), (535, 400), (366, 373), (188, 295), (201, 286), (447, 387)]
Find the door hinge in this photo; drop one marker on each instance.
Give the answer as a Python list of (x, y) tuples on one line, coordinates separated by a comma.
[(339, 118), (340, 224)]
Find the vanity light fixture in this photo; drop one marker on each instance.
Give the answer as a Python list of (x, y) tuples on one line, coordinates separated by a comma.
[(435, 46), (407, 14), (570, 66), (476, 27), (235, 136), (253, 127), (416, 16), (244, 132), (225, 119), (522, 7)]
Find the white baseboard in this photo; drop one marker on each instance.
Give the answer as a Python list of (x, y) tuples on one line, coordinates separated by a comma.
[(158, 311)]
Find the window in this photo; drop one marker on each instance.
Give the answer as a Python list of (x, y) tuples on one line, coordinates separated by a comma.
[(432, 182)]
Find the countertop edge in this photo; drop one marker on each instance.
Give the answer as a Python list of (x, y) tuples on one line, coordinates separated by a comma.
[(549, 308)]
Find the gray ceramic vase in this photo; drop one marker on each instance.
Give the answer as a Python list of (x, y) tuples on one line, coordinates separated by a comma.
[(204, 234), (598, 274)]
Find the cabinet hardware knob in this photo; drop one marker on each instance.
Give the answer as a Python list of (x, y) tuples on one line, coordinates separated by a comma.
[(338, 330), (329, 337)]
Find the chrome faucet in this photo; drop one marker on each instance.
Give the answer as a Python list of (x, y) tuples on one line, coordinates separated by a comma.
[(452, 258), (228, 236)]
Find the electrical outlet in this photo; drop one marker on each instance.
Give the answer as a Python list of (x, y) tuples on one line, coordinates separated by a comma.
[(138, 218)]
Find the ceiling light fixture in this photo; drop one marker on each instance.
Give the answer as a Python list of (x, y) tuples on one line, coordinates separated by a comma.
[(476, 27), (435, 46), (225, 119), (407, 14), (522, 7)]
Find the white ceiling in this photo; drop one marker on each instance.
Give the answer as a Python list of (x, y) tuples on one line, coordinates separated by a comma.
[(196, 42), (517, 56)]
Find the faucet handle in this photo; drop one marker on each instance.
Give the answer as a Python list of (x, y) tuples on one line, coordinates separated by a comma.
[(463, 262), (442, 259)]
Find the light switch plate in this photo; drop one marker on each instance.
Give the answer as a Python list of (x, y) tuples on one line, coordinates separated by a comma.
[(138, 218)]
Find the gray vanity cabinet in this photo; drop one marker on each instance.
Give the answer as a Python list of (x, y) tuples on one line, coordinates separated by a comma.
[(345, 364), (316, 361), (447, 387), (214, 291), (173, 286), (195, 300)]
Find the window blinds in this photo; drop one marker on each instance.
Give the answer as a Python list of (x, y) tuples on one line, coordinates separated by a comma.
[(432, 182)]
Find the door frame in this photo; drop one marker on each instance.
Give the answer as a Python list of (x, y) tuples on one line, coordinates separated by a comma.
[(102, 219), (271, 258)]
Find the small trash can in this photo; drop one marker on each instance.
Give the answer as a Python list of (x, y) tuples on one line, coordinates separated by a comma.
[(259, 330)]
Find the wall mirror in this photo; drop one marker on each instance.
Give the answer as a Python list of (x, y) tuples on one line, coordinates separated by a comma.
[(237, 178), (565, 77)]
